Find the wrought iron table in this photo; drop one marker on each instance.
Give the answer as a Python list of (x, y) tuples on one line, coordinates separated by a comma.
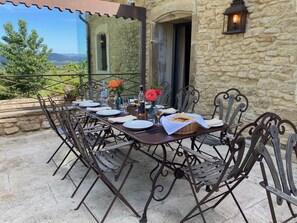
[(155, 136)]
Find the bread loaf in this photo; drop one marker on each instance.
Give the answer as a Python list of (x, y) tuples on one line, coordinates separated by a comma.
[(181, 117)]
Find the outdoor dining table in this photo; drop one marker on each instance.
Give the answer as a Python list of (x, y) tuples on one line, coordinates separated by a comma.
[(154, 136)]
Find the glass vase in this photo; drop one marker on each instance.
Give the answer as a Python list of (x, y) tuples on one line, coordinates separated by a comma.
[(151, 112), (118, 101)]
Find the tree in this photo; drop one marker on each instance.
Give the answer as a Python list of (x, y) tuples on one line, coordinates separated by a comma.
[(24, 54)]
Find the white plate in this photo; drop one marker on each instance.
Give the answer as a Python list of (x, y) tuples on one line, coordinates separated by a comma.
[(138, 124), (89, 104), (214, 125), (218, 125), (108, 112), (158, 106), (78, 102), (95, 109)]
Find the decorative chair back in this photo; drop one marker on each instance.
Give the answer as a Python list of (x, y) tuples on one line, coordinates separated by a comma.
[(280, 181), (76, 133), (229, 106), (186, 99), (47, 113), (90, 92), (164, 98)]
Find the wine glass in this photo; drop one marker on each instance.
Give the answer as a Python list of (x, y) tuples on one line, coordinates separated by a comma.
[(125, 105), (136, 101), (158, 114)]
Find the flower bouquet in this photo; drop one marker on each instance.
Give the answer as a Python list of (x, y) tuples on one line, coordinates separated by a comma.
[(117, 86), (152, 96)]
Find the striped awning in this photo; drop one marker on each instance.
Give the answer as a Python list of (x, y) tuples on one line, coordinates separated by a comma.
[(87, 6)]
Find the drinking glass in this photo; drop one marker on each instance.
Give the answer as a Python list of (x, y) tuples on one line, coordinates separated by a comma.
[(158, 114), (136, 101), (125, 104)]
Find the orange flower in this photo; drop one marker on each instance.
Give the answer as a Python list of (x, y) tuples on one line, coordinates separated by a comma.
[(117, 86), (113, 84)]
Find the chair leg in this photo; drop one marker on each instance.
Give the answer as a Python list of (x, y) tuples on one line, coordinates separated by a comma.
[(86, 194), (80, 183), (188, 216), (294, 215), (70, 168), (61, 162), (272, 212), (234, 198), (230, 191), (55, 152), (117, 194)]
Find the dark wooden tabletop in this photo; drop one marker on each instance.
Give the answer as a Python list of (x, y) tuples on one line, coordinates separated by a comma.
[(154, 135)]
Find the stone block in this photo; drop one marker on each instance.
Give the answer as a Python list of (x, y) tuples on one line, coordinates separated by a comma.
[(272, 30), (8, 120), (8, 125), (29, 126), (2, 132), (12, 130)]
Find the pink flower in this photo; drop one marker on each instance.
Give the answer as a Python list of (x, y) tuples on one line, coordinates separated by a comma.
[(151, 95), (159, 91)]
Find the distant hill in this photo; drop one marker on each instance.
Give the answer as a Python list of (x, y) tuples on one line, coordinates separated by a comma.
[(59, 59)]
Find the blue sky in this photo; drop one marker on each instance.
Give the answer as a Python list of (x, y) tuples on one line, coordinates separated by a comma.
[(63, 32)]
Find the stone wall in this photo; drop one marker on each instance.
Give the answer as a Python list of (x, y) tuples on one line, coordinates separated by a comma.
[(22, 121), (261, 63), (123, 43)]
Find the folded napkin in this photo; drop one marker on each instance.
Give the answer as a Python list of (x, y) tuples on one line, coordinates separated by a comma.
[(95, 109), (121, 119), (172, 127), (214, 122), (169, 111)]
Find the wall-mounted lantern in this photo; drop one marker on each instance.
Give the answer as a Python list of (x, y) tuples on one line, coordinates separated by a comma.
[(235, 18)]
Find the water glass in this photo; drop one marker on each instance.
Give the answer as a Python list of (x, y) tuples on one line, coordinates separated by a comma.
[(125, 105), (158, 114)]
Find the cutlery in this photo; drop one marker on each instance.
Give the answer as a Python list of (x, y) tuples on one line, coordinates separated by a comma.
[(143, 131)]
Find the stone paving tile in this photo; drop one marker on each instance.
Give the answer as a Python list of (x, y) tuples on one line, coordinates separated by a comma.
[(29, 193)]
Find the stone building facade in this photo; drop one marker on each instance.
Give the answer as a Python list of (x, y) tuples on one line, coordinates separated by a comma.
[(261, 63), (122, 50)]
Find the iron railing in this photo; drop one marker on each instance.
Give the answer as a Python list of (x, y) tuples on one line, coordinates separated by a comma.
[(55, 86)]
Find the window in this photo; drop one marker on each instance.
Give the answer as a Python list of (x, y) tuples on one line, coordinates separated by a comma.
[(101, 52)]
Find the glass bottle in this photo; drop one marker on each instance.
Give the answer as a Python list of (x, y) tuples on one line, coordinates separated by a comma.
[(103, 94), (140, 94), (141, 114)]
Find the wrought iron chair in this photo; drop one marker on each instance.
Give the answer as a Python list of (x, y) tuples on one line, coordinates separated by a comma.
[(278, 173), (102, 159), (186, 99), (90, 92), (56, 123), (203, 170), (229, 106), (51, 117), (164, 98)]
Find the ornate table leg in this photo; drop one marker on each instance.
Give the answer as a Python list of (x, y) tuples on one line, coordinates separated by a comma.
[(154, 186)]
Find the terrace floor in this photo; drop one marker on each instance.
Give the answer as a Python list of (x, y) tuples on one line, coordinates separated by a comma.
[(29, 193)]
